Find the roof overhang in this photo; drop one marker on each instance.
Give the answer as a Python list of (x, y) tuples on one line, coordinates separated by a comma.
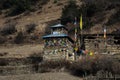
[(57, 36)]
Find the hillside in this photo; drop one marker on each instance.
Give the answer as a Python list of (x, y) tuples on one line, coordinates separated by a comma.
[(42, 76), (48, 13)]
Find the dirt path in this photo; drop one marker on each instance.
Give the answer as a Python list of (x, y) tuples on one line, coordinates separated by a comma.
[(41, 76)]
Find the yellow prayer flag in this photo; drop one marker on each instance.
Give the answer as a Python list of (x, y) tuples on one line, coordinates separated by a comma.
[(76, 48), (81, 24), (91, 54)]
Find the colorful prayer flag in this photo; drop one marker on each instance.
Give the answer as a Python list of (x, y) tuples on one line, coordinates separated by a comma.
[(81, 24), (75, 21), (75, 29), (105, 33), (91, 53), (76, 49)]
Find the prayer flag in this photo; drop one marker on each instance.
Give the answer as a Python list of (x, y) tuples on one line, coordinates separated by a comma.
[(81, 24), (104, 33), (75, 29)]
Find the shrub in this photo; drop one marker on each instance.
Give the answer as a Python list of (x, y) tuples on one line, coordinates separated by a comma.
[(93, 65), (0, 12), (80, 68), (4, 54), (30, 28), (48, 66), (3, 62), (8, 29), (2, 40), (101, 75), (116, 68), (5, 4), (34, 37), (69, 12), (35, 59), (19, 6), (42, 2), (114, 18), (55, 1), (100, 63), (19, 38)]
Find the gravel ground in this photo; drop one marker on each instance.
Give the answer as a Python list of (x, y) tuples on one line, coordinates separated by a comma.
[(41, 76)]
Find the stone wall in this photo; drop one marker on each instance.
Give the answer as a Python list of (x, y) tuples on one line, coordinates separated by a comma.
[(102, 46), (62, 50)]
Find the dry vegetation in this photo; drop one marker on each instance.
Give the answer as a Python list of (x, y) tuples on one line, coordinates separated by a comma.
[(41, 76), (90, 67), (87, 65), (33, 20)]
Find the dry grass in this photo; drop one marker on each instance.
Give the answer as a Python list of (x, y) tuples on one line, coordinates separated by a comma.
[(102, 75), (88, 65), (21, 50), (54, 66), (91, 65), (43, 76)]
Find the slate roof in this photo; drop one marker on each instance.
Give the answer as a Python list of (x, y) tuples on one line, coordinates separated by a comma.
[(59, 26), (57, 36)]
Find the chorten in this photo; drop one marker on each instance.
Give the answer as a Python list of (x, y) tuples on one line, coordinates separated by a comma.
[(58, 45)]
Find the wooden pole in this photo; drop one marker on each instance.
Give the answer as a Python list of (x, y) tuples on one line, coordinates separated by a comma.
[(81, 39)]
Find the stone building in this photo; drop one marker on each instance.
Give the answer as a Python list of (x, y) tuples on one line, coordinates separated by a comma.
[(97, 44), (58, 45)]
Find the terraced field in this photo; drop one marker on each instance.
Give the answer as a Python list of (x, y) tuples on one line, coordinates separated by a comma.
[(41, 76)]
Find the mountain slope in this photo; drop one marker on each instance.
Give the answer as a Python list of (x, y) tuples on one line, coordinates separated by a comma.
[(50, 12)]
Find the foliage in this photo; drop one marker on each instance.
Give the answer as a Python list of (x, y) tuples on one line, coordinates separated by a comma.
[(101, 75), (88, 9), (114, 18), (86, 66), (30, 28), (8, 29), (3, 62), (55, 1), (2, 40), (19, 38), (48, 66), (19, 6), (69, 12), (36, 58), (82, 67), (93, 65)]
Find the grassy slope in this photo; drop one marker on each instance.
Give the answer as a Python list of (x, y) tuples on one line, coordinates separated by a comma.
[(52, 11), (44, 76)]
